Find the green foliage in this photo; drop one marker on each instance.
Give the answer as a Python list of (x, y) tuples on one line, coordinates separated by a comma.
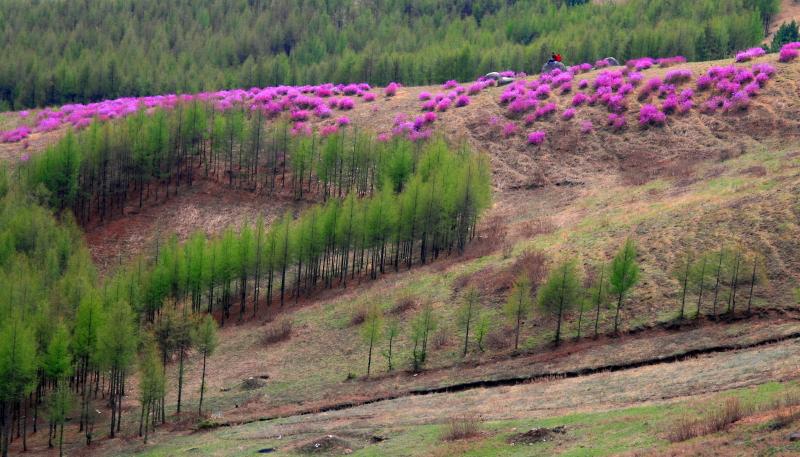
[(560, 292), (624, 275), (518, 305), (787, 33), (468, 313), (57, 361), (421, 328), (18, 361), (4, 180), (371, 330), (63, 51), (205, 335), (392, 331)]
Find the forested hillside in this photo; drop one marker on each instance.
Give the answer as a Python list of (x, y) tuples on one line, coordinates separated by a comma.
[(76, 51)]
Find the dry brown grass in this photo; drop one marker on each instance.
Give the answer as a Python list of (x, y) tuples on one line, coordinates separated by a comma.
[(277, 331), (402, 305), (716, 420), (462, 428), (359, 315)]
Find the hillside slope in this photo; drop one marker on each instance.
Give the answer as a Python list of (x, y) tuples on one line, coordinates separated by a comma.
[(698, 182)]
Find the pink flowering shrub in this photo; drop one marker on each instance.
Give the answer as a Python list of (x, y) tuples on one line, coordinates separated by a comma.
[(650, 115), (451, 84), (444, 105), (642, 63), (678, 76), (617, 121), (568, 114), (545, 110), (635, 78), (789, 52), (583, 84), (344, 120), (429, 105), (649, 87), (669, 61), (369, 97), (48, 124), (346, 104), (299, 115), (391, 89), (749, 54), (423, 96), (509, 129), (587, 127), (329, 130), (579, 99), (462, 101), (16, 135), (536, 138)]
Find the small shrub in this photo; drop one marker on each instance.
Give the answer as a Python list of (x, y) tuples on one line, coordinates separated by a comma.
[(536, 138), (685, 428), (461, 428), (402, 305), (441, 339), (719, 419), (277, 331), (359, 315)]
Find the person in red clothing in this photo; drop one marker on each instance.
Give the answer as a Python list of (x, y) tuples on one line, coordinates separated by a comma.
[(558, 57), (555, 57)]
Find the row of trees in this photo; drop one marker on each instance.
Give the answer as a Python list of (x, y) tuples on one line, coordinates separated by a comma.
[(97, 172), (716, 276), (562, 291), (67, 347), (61, 52), (432, 213)]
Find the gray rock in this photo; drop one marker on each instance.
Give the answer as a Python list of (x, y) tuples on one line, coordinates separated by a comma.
[(553, 65)]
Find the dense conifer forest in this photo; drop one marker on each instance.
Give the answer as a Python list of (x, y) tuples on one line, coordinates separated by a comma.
[(76, 51)]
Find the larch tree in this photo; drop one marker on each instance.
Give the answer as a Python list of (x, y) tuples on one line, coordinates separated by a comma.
[(467, 314), (624, 275), (392, 331), (205, 340), (116, 350), (371, 330), (560, 292), (18, 365), (599, 295), (182, 341), (699, 276), (682, 272), (421, 328), (518, 305)]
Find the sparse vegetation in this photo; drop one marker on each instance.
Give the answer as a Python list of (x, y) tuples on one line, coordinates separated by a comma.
[(461, 428), (277, 331)]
